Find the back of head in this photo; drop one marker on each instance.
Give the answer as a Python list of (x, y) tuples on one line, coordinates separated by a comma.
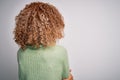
[(38, 24)]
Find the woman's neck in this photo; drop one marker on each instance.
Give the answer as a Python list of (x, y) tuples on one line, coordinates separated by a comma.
[(52, 44)]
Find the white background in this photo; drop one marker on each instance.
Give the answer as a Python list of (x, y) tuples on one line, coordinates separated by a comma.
[(92, 37)]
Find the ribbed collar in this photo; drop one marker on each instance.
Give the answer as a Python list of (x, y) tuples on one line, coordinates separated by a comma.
[(33, 47)]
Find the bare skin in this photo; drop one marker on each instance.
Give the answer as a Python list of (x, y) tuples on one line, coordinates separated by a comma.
[(52, 44), (70, 77)]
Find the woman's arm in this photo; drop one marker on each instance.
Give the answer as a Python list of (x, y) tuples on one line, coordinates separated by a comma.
[(66, 75)]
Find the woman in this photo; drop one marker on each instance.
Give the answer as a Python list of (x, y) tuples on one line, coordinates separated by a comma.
[(38, 27)]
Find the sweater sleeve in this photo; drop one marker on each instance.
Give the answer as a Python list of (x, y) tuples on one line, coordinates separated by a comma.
[(66, 72)]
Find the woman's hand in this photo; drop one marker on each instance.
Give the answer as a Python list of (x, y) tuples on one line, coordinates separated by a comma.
[(70, 77)]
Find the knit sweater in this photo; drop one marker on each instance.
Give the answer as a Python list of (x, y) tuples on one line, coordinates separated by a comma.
[(50, 63)]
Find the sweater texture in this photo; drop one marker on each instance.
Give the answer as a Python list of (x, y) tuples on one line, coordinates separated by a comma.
[(50, 63)]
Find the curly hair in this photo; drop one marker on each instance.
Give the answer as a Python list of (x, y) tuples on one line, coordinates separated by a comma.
[(38, 24)]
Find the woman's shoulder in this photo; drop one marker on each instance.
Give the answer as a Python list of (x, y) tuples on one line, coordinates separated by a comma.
[(61, 47)]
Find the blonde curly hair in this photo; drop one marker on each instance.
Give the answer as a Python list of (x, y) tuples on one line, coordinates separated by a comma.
[(38, 24)]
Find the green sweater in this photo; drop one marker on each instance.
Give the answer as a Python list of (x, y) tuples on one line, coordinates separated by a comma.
[(49, 63)]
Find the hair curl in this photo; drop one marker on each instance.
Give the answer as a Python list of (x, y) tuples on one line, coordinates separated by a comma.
[(38, 24)]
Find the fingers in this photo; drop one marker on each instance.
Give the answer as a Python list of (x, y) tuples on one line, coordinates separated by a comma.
[(71, 77)]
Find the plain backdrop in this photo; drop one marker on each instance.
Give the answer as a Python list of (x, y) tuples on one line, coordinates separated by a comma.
[(92, 37)]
